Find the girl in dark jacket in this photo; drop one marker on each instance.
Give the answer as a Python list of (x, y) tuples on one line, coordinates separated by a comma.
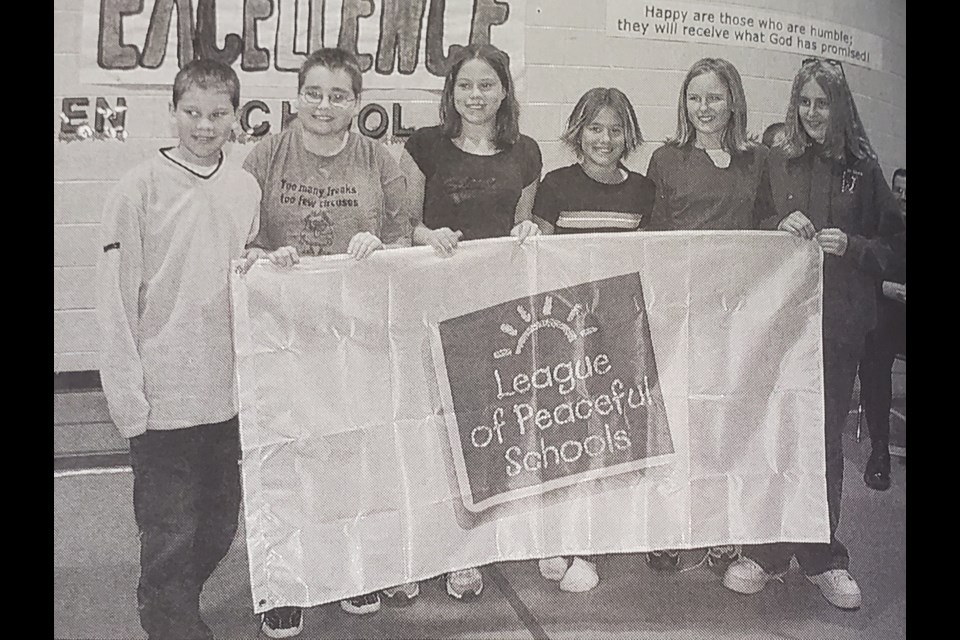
[(822, 183)]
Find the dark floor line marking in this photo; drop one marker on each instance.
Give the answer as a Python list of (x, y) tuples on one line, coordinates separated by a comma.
[(521, 609), (91, 461)]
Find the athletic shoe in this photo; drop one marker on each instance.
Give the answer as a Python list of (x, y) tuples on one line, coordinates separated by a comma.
[(663, 560), (282, 622), (581, 576), (748, 577), (719, 559), (839, 588), (401, 595), (877, 474), (362, 605), (465, 584), (553, 568)]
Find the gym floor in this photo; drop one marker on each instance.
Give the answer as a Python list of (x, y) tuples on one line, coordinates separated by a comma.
[(96, 570)]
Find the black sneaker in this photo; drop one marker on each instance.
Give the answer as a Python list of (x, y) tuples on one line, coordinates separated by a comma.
[(667, 560), (877, 474), (719, 558), (282, 622), (401, 595), (362, 605)]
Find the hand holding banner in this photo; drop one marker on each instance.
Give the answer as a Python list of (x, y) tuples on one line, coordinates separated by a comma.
[(407, 415)]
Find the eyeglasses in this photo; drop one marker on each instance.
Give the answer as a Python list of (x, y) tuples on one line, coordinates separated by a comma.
[(836, 64), (339, 99)]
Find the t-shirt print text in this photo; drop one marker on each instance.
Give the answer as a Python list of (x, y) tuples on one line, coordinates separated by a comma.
[(462, 189), (317, 197), (316, 234)]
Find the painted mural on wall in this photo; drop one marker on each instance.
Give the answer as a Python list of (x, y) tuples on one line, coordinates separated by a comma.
[(401, 45)]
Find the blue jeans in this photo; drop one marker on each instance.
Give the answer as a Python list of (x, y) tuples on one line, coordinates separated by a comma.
[(839, 371), (186, 498)]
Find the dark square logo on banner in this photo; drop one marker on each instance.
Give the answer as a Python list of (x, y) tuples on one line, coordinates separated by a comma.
[(551, 390)]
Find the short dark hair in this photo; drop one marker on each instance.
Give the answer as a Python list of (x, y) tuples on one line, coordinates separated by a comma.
[(899, 173), (333, 59), (770, 134), (210, 75), (508, 116)]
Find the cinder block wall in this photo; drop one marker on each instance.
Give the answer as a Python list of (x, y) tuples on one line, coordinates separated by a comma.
[(567, 52)]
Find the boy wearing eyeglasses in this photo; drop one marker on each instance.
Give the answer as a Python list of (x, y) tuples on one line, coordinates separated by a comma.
[(327, 190)]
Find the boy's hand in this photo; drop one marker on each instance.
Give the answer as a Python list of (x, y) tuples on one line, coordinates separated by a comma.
[(284, 257), (832, 241), (444, 240), (799, 225), (250, 256), (525, 229), (363, 244)]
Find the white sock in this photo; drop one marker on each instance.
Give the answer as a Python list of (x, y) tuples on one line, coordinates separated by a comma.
[(581, 576), (553, 568)]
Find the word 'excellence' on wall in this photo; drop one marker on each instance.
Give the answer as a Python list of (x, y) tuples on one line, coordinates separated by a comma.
[(399, 43)]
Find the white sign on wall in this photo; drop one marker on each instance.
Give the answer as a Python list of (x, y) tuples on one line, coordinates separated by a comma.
[(741, 26)]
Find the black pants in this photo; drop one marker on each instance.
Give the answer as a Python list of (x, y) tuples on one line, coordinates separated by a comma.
[(876, 388), (186, 497), (839, 372)]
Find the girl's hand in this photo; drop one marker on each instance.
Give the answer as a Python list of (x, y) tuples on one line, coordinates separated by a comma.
[(799, 225), (250, 256), (895, 291), (443, 240), (284, 257), (832, 241), (363, 244), (525, 229)]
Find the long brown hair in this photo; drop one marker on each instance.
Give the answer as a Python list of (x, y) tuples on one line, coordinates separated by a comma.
[(507, 129), (845, 133)]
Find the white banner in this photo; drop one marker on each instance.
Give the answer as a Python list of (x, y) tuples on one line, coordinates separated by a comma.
[(740, 26), (407, 415)]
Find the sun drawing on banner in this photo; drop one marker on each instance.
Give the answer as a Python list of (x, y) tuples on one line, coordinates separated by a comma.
[(547, 320)]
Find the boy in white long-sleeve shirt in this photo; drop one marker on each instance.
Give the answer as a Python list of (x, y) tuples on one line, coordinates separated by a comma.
[(169, 230)]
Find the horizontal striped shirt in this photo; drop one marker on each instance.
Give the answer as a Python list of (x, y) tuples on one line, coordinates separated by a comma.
[(573, 202)]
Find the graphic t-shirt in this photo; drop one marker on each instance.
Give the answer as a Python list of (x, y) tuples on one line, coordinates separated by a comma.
[(694, 193), (316, 203), (573, 202), (474, 194)]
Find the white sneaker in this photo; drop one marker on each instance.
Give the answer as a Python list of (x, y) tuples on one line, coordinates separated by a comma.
[(581, 576), (464, 584), (746, 576), (553, 568), (839, 588)]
